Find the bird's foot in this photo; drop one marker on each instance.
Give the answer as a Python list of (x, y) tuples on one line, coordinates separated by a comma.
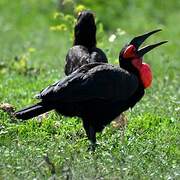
[(92, 147)]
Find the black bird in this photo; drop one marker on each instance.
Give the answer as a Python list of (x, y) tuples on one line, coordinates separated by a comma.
[(84, 50), (98, 92)]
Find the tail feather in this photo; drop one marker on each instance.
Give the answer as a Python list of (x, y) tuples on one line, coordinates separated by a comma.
[(32, 111)]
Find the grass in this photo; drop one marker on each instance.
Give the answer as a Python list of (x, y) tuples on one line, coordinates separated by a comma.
[(32, 57)]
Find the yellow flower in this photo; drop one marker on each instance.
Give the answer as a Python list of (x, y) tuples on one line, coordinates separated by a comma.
[(79, 8), (31, 49), (56, 14), (61, 27)]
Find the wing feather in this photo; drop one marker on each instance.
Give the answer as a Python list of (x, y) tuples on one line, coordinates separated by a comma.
[(103, 81)]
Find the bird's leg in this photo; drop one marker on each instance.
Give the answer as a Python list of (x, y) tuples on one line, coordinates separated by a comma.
[(91, 134), (92, 138)]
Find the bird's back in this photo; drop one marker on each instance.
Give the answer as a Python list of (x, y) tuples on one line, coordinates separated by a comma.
[(76, 57), (97, 55), (79, 55)]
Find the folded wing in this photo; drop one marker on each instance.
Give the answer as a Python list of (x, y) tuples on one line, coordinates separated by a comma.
[(93, 81)]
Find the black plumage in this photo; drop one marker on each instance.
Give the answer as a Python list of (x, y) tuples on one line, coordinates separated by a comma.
[(96, 92), (84, 48)]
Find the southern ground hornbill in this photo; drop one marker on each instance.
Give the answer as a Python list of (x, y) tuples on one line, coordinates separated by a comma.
[(84, 50), (98, 92)]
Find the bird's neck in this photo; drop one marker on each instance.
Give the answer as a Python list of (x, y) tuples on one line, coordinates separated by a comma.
[(85, 37), (86, 41)]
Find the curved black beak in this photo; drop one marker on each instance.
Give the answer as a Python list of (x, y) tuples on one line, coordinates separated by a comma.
[(138, 40), (146, 49)]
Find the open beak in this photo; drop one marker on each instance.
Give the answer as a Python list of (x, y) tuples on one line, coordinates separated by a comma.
[(146, 49), (137, 42)]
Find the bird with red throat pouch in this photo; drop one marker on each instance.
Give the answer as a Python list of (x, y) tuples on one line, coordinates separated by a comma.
[(131, 52), (98, 92)]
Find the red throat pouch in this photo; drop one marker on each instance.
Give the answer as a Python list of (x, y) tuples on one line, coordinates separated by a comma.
[(146, 75)]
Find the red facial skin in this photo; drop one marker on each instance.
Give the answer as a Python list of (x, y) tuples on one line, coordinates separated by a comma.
[(130, 52), (143, 68)]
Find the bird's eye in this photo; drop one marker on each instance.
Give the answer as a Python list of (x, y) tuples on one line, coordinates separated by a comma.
[(129, 52)]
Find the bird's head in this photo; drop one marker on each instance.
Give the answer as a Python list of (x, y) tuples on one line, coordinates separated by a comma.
[(85, 17), (85, 29), (131, 57)]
